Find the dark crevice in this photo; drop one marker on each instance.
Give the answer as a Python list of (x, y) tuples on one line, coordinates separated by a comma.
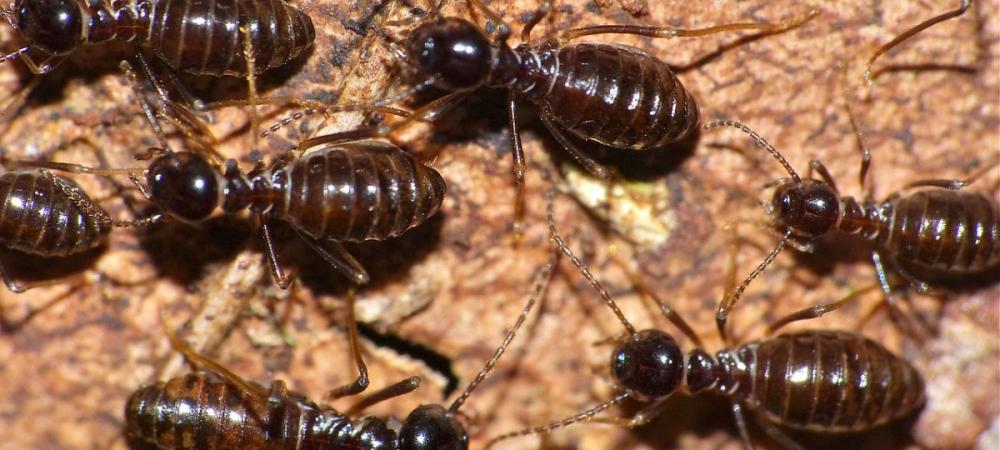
[(435, 361)]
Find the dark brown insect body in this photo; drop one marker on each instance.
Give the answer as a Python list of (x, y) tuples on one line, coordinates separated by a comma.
[(814, 380), (47, 215), (204, 411), (201, 37), (940, 230), (218, 410), (821, 381), (617, 96), (354, 191), (614, 95), (41, 214)]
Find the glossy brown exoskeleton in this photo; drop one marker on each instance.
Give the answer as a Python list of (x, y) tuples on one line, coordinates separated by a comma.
[(349, 192), (815, 380), (44, 214), (216, 409), (942, 229), (617, 96), (931, 226), (201, 37)]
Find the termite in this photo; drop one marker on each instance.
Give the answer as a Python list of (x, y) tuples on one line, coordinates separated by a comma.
[(942, 229), (931, 226), (200, 37), (348, 192), (820, 381), (48, 215), (240, 38), (217, 409), (614, 95)]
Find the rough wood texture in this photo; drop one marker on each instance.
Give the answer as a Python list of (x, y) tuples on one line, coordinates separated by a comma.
[(455, 284)]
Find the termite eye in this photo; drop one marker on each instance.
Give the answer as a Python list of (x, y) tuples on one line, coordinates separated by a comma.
[(650, 363), (431, 427), (184, 185), (53, 26), (810, 208), (453, 51)]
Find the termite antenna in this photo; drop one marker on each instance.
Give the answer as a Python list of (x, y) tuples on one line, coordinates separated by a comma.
[(541, 282), (866, 153), (869, 77), (581, 417), (381, 105), (760, 141), (561, 244), (14, 54), (198, 360), (731, 295)]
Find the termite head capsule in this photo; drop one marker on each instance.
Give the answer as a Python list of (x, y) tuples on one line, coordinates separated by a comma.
[(453, 52), (650, 363), (809, 208), (52, 26), (431, 427), (184, 185)]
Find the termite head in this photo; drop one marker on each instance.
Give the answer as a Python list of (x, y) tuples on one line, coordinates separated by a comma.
[(184, 185), (809, 208), (52, 26), (453, 52), (431, 427), (649, 363)]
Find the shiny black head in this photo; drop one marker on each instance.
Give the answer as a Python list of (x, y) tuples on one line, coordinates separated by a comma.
[(52, 26), (431, 427), (452, 51), (184, 185), (809, 208), (650, 363)]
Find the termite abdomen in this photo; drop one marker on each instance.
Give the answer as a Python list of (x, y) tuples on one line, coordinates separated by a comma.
[(42, 215), (204, 37), (358, 191), (827, 381), (617, 96), (201, 37), (203, 411), (945, 230)]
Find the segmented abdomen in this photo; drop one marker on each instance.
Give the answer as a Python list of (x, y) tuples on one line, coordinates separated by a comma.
[(205, 412), (203, 37), (619, 96), (827, 381), (945, 230), (359, 191), (38, 215)]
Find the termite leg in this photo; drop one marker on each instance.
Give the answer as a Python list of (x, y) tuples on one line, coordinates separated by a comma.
[(429, 109), (338, 257), (741, 425), (814, 312), (816, 165), (395, 390), (277, 272), (596, 169), (518, 167), (668, 32), (957, 183), (784, 441), (644, 416), (361, 382)]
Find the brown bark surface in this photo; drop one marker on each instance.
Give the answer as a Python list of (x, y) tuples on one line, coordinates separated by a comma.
[(454, 285)]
